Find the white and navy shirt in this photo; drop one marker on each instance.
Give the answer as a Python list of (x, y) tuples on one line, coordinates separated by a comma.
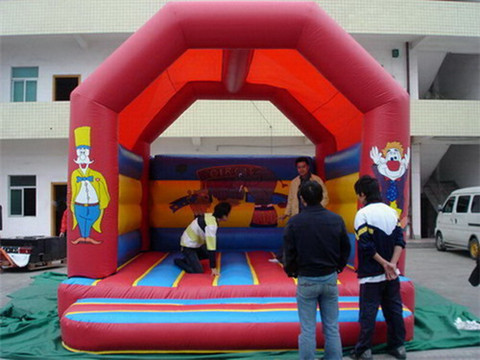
[(377, 231)]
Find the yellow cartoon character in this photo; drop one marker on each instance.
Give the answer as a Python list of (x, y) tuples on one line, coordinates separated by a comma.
[(90, 194)]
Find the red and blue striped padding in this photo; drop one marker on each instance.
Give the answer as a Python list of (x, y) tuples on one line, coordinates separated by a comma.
[(225, 324), (153, 275)]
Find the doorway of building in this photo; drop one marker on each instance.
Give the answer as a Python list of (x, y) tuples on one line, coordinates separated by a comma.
[(59, 205)]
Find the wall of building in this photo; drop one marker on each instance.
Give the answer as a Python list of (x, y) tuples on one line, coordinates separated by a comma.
[(47, 159), (461, 164), (55, 55)]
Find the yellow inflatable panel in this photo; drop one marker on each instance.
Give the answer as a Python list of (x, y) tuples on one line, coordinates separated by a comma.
[(166, 191), (129, 218), (343, 200), (346, 211), (129, 190), (340, 190)]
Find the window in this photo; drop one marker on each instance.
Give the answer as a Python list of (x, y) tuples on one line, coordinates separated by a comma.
[(448, 207), (23, 195), (476, 204), (462, 204), (24, 84), (63, 86)]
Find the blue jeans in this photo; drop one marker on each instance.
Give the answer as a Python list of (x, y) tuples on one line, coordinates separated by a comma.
[(321, 290)]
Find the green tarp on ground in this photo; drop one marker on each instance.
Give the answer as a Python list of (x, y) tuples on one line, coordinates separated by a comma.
[(30, 328)]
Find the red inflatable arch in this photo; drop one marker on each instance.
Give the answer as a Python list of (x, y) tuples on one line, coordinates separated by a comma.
[(119, 298), (290, 53)]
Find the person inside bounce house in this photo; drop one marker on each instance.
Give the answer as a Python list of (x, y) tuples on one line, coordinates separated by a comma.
[(294, 205), (199, 240)]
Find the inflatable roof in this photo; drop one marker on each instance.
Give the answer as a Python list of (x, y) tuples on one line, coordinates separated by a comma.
[(292, 54)]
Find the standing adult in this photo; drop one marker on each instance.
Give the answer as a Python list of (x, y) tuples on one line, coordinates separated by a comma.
[(316, 249), (380, 244), (199, 240), (294, 205)]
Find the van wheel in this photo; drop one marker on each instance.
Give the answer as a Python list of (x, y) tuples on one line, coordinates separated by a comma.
[(439, 242), (473, 248)]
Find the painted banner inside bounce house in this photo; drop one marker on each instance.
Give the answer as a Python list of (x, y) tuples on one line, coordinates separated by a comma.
[(127, 211), (183, 187)]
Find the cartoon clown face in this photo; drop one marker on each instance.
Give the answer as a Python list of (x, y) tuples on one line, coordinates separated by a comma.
[(391, 162)]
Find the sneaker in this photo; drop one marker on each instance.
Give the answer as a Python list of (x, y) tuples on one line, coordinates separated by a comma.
[(366, 355), (398, 353)]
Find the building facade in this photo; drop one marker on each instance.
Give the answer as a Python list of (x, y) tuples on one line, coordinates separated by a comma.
[(47, 47)]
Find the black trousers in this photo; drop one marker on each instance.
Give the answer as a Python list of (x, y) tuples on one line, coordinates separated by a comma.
[(191, 259), (386, 294)]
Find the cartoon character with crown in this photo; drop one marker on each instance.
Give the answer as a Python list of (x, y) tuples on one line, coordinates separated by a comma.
[(390, 168), (90, 195)]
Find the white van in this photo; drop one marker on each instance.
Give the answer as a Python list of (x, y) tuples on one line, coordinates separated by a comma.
[(458, 221)]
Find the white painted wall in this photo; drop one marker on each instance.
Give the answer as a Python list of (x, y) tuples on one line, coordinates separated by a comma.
[(47, 159), (54, 55)]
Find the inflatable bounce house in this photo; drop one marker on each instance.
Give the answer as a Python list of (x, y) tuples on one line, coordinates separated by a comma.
[(129, 208)]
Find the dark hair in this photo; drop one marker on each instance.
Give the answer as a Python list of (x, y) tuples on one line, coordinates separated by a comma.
[(302, 159), (311, 192), (369, 187), (222, 209)]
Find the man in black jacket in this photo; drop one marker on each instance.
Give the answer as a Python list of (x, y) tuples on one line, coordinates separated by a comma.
[(316, 249)]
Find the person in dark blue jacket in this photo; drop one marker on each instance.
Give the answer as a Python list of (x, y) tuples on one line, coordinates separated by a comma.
[(380, 244), (316, 248)]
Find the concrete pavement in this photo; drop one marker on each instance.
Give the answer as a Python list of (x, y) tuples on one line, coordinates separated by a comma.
[(446, 273)]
